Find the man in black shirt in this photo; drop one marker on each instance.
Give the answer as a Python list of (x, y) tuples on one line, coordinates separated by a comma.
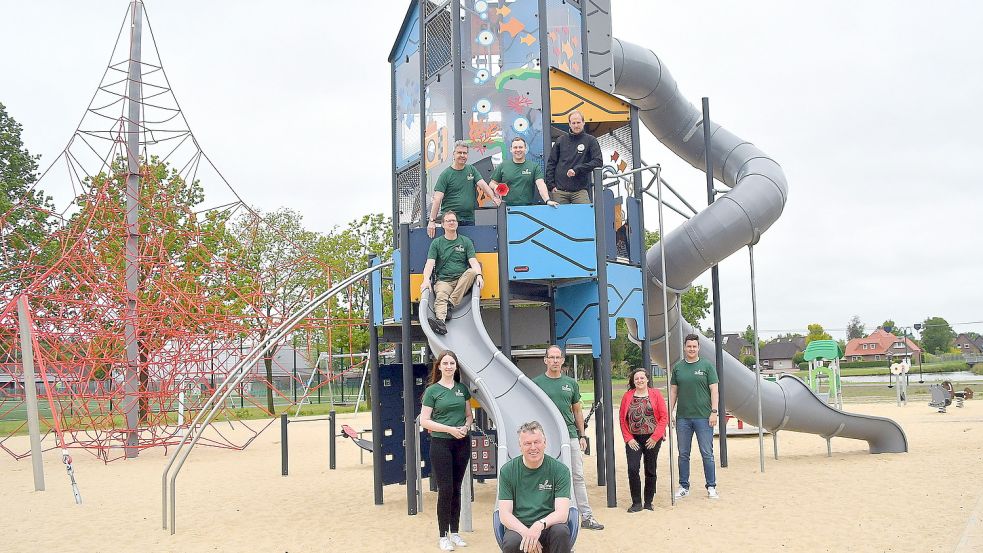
[(573, 158)]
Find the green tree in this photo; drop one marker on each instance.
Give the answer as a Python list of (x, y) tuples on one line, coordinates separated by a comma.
[(748, 361), (748, 334), (695, 301), (855, 328), (178, 281), (816, 332), (892, 327), (280, 274), (346, 250), (25, 221), (937, 335)]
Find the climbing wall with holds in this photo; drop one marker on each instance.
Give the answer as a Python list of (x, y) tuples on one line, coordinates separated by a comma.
[(501, 77)]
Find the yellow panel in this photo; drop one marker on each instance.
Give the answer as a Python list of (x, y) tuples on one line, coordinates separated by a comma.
[(489, 270), (416, 280), (568, 93)]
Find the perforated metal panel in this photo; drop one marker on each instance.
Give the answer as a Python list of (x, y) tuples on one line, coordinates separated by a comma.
[(616, 149), (409, 190), (438, 41)]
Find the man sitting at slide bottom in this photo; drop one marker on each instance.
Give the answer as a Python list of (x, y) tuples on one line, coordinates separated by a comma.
[(534, 497)]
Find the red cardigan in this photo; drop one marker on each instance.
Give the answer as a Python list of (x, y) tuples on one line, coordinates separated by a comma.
[(658, 407)]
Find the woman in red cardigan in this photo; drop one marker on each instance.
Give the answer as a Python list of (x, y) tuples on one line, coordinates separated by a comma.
[(644, 417)]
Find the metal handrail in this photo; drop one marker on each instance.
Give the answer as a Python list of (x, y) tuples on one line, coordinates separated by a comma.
[(225, 390)]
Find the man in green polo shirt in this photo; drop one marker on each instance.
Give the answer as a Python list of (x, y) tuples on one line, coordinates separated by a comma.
[(565, 394), (455, 190), (534, 497), (453, 257), (694, 387), (522, 176)]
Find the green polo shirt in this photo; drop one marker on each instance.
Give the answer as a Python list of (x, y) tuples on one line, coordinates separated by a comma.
[(521, 179), (451, 256), (693, 382), (564, 392), (460, 191), (533, 492), (449, 405)]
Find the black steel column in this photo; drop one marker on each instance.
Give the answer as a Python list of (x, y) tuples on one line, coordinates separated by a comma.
[(718, 338), (640, 231), (333, 430), (600, 227), (409, 413), (375, 387), (284, 464), (503, 280), (598, 423)]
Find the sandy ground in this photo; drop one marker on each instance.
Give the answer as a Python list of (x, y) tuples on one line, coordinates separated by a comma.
[(930, 499)]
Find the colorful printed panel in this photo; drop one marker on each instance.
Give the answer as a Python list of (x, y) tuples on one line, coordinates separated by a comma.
[(564, 28), (438, 139), (406, 65), (502, 95)]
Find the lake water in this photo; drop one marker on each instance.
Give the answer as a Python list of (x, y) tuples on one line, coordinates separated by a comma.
[(957, 377)]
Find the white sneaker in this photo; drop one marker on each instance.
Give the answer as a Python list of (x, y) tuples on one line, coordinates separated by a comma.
[(445, 544), (681, 493), (712, 493), (457, 540)]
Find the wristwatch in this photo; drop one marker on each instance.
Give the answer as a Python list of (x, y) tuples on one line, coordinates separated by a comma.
[(543, 520), (713, 410)]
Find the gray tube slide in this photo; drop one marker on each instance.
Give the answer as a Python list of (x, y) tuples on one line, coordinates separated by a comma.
[(735, 220), (510, 397)]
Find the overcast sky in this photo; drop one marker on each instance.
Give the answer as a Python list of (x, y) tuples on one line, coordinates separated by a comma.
[(872, 108)]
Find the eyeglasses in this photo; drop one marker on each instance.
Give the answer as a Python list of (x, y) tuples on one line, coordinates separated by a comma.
[(554, 357)]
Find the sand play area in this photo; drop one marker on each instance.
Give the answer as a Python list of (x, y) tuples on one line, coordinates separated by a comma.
[(930, 499)]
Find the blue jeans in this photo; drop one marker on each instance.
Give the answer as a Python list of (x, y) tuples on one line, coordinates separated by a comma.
[(704, 438)]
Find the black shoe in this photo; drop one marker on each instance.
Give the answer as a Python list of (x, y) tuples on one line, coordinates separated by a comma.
[(438, 326), (635, 507), (649, 507)]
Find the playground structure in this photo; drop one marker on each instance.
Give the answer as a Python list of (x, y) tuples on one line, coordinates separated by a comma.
[(485, 73), (463, 70), (824, 361), (151, 281)]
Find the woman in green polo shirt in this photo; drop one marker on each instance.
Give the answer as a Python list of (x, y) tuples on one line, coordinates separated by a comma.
[(447, 415)]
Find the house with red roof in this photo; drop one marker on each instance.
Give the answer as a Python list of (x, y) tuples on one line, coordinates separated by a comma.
[(882, 346)]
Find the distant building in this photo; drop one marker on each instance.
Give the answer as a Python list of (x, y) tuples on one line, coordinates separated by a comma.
[(882, 346), (779, 354), (736, 346), (968, 345)]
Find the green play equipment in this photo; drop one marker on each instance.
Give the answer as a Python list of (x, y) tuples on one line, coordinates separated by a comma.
[(824, 359)]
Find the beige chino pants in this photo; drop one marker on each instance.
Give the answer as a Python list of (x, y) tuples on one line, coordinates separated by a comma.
[(452, 292)]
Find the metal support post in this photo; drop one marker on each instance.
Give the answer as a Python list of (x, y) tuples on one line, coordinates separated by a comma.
[(284, 461), (600, 226), (31, 393), (375, 391), (599, 425), (503, 280), (134, 98), (757, 364), (333, 447), (718, 338), (665, 327), (412, 466)]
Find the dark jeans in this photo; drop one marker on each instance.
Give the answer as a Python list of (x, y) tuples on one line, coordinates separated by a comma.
[(685, 428), (448, 461), (555, 539), (651, 457)]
